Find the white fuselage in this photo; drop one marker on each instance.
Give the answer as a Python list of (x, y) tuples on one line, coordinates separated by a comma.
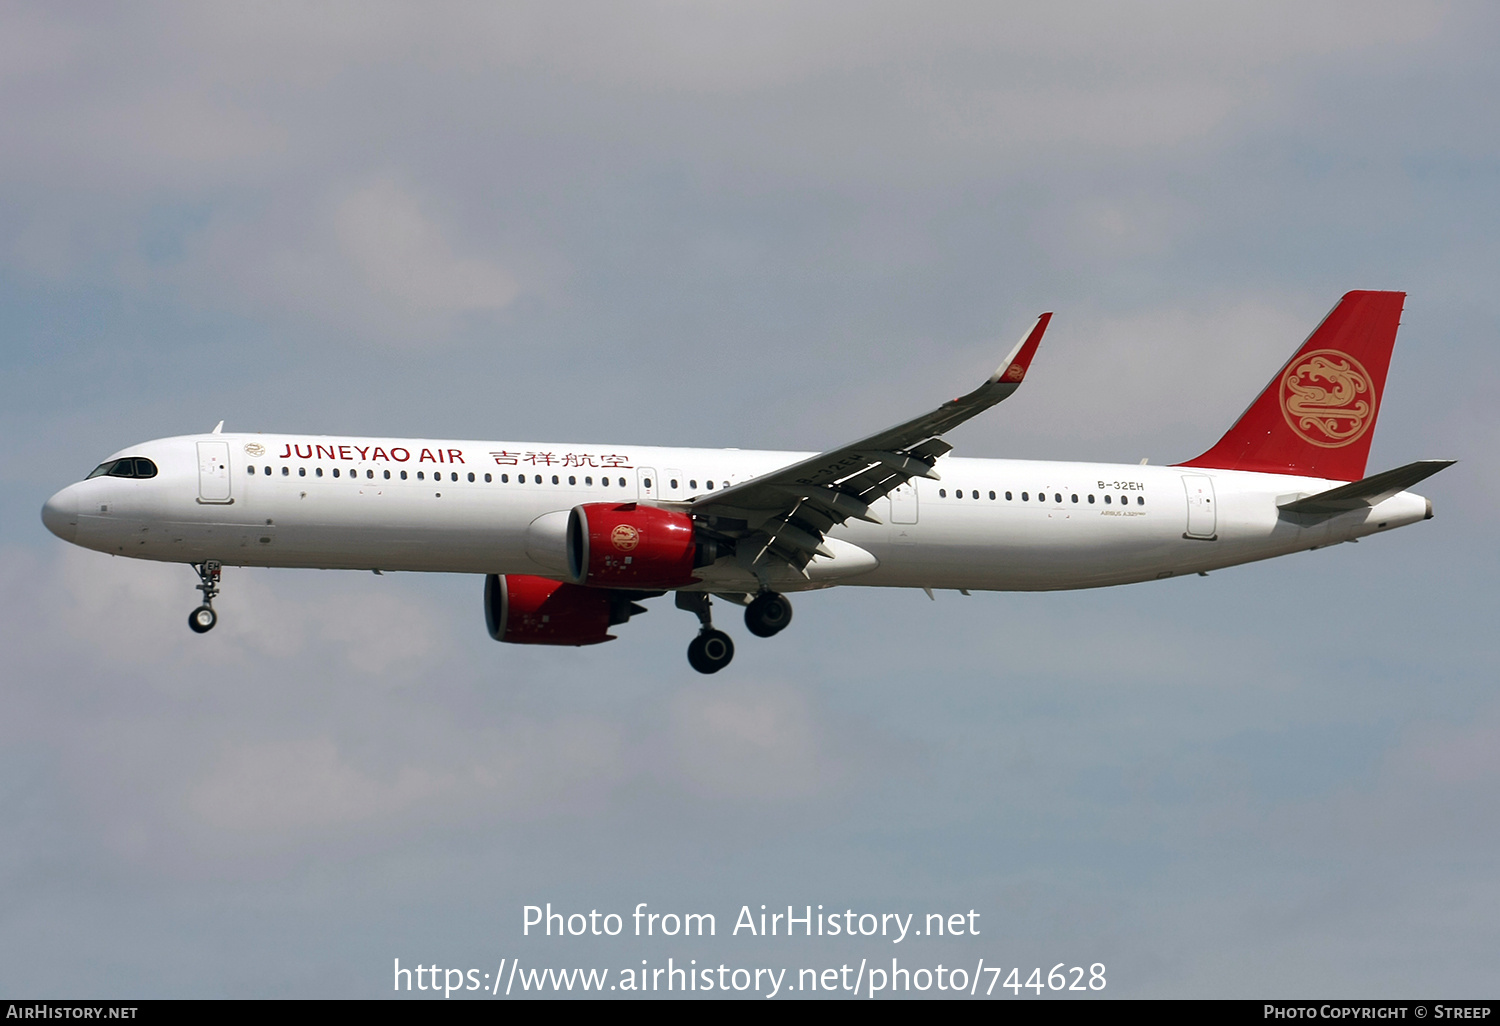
[(274, 500)]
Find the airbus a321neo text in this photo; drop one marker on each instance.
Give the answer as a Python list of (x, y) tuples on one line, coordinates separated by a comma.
[(571, 538)]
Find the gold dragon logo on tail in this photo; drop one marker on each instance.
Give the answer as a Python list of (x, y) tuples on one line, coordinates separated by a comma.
[(1328, 398)]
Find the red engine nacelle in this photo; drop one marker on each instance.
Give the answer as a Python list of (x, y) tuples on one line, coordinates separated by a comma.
[(627, 545), (526, 610)]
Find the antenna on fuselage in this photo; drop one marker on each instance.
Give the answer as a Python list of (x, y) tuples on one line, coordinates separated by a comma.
[(218, 428)]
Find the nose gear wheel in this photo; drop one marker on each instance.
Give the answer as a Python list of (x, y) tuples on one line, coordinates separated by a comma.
[(203, 619)]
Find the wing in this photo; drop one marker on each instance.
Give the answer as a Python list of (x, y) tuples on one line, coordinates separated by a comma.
[(783, 515)]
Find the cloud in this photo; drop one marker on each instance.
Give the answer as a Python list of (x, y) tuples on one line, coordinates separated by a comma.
[(328, 709), (284, 785), (366, 257), (1169, 374), (1169, 367), (194, 114), (749, 741), (285, 792), (113, 608), (1461, 755), (404, 258)]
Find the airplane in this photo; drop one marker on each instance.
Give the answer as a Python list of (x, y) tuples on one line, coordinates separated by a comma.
[(572, 537)]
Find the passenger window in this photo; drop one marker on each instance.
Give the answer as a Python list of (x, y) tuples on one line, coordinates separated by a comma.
[(419, 476), (471, 476), (335, 471), (674, 484), (1007, 497), (692, 484), (403, 475), (975, 495), (370, 474), (1057, 496), (1091, 500), (554, 479), (268, 471), (710, 484), (648, 482), (250, 469), (387, 474), (488, 479), (1106, 500), (1025, 496), (1075, 498), (318, 472), (622, 483), (301, 471), (992, 496), (942, 493), (538, 478), (286, 471), (1140, 500)]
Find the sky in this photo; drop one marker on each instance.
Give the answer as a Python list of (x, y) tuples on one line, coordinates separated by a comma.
[(764, 225)]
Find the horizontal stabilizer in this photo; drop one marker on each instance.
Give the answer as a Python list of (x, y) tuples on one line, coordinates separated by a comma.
[(1369, 492)]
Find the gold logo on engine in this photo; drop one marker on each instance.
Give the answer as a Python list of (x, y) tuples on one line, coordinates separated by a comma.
[(625, 537), (1328, 398)]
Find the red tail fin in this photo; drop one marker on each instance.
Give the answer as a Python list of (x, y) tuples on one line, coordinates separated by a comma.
[(1317, 416)]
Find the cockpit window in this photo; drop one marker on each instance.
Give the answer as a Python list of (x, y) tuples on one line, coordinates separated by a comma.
[(131, 466)]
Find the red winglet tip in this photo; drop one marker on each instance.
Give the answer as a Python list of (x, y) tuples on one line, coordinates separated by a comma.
[(1015, 371)]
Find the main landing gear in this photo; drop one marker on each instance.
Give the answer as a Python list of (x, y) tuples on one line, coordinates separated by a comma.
[(712, 649), (202, 619), (766, 614)]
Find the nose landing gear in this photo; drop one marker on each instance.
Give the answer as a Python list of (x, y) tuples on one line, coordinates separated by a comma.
[(202, 619), (712, 649)]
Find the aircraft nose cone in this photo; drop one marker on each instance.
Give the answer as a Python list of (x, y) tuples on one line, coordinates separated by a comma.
[(60, 514)]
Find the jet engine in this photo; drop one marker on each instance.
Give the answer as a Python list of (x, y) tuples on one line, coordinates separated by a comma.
[(526, 610), (629, 545)]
